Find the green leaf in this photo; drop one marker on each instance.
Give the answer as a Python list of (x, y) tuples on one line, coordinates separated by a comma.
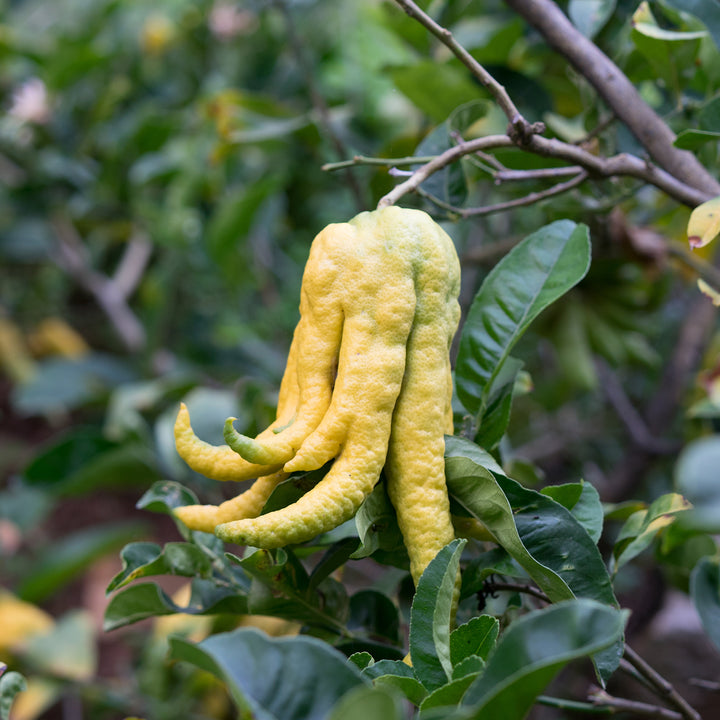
[(697, 479), (397, 674), (449, 695), (299, 678), (378, 530), (583, 501), (707, 11), (142, 559), (475, 638), (534, 649), (694, 139), (360, 703), (431, 615), (232, 222), (705, 592), (164, 496), (447, 185), (590, 16), (436, 89), (11, 683), (539, 533), (85, 460), (669, 52), (497, 415), (281, 587), (529, 278), (478, 492), (642, 527), (375, 614), (70, 557), (145, 600)]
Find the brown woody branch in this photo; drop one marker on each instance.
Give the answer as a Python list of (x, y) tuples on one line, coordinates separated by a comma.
[(617, 91)]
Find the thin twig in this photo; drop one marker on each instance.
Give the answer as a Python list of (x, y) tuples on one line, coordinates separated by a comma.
[(690, 189), (109, 294), (506, 175), (387, 162), (574, 705), (520, 126), (529, 199), (439, 162), (516, 587), (617, 91), (600, 698), (662, 687)]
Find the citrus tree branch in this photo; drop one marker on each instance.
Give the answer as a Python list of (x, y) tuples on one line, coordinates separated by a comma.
[(677, 172), (617, 91)]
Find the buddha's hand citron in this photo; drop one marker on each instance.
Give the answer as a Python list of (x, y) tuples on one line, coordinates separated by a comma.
[(367, 385)]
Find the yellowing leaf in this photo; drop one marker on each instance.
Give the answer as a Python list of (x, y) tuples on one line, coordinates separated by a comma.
[(20, 620), (704, 223), (710, 291)]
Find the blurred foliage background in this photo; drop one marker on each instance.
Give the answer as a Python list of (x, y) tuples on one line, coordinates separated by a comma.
[(161, 179)]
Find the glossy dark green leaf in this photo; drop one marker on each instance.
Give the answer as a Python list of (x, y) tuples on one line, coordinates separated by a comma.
[(375, 614), (431, 615), (534, 649), (397, 674), (281, 587), (70, 556), (142, 559), (705, 592), (297, 678), (475, 638), (497, 415), (478, 492), (583, 501), (145, 600), (11, 683), (529, 278)]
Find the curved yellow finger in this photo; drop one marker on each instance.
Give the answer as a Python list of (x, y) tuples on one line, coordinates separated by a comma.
[(335, 499), (246, 505), (212, 461)]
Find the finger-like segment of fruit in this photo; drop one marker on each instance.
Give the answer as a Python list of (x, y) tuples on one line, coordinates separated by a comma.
[(415, 467), (335, 499), (370, 370), (372, 364), (220, 462), (217, 462), (317, 336), (246, 505)]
